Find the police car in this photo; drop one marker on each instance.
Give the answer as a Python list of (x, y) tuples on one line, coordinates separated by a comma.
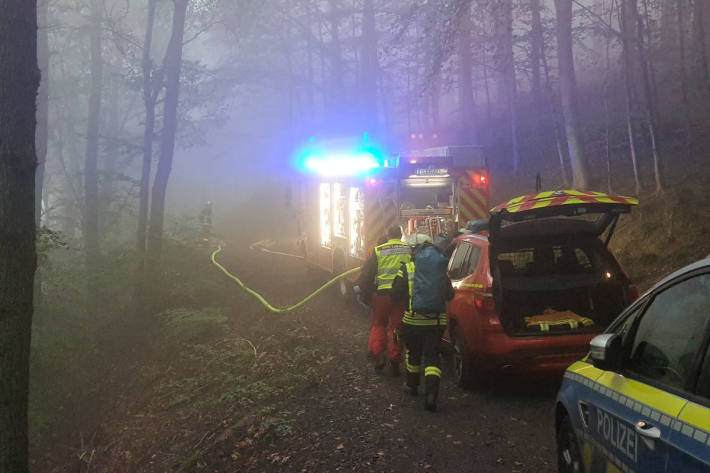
[(640, 400)]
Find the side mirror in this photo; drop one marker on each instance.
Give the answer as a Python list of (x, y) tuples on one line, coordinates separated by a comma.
[(605, 351)]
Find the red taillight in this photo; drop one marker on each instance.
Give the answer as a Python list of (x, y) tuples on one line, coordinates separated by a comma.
[(480, 180), (484, 302), (633, 293)]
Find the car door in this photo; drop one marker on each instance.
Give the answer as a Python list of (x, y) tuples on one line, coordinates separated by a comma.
[(638, 408), (456, 265), (690, 435)]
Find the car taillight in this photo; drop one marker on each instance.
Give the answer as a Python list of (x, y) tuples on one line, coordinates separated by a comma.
[(484, 302), (633, 293)]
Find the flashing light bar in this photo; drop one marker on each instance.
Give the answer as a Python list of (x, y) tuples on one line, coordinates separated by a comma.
[(333, 165)]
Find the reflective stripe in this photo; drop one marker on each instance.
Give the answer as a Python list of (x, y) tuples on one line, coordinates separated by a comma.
[(474, 286), (411, 368), (395, 251), (422, 320), (432, 371), (388, 271)]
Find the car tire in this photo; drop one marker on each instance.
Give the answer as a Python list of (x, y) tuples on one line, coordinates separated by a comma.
[(461, 363), (569, 456)]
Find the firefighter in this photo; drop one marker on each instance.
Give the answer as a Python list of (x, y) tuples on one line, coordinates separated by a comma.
[(425, 286), (376, 279), (206, 220)]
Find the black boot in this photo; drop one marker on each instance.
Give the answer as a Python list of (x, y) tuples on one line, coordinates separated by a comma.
[(431, 389), (380, 362), (413, 383), (395, 368)]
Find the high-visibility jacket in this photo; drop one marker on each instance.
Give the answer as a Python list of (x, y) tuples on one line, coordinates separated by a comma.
[(390, 256)]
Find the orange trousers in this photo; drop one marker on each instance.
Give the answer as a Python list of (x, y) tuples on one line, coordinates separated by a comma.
[(385, 315)]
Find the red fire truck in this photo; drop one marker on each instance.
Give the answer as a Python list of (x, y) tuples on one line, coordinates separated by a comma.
[(344, 212)]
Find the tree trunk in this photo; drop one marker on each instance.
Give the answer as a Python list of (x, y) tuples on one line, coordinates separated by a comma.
[(173, 65), (701, 56), (557, 129), (506, 67), (568, 94), (150, 91), (19, 80), (649, 103), (91, 179), (369, 67), (42, 136), (627, 38), (680, 10), (310, 97), (467, 133), (337, 86), (536, 49)]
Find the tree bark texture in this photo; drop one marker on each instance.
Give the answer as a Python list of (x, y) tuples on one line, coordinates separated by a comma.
[(568, 94), (91, 177), (173, 65), (19, 80), (369, 67)]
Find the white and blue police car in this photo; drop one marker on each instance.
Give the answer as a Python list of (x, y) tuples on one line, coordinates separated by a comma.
[(640, 400)]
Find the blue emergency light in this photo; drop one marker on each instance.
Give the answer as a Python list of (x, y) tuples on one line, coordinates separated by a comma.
[(341, 164)]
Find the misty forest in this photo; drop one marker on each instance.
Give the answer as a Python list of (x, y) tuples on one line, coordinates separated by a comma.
[(139, 136)]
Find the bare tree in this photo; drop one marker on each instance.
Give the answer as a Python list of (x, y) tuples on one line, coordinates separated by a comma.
[(465, 68), (568, 94), (503, 17), (91, 178), (173, 66), (19, 80), (370, 67), (151, 86)]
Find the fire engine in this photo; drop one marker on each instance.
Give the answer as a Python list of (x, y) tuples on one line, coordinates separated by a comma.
[(348, 200)]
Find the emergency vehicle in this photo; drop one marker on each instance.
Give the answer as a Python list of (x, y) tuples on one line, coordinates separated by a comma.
[(349, 199), (640, 401)]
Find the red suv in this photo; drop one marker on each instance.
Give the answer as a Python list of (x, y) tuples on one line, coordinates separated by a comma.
[(534, 290)]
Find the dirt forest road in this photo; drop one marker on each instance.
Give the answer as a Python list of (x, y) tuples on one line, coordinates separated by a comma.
[(356, 420)]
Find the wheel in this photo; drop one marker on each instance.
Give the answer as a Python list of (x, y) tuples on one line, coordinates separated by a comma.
[(461, 362), (569, 456)]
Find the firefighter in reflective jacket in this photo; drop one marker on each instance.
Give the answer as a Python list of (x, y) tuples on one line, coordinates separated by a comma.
[(376, 277), (426, 287)]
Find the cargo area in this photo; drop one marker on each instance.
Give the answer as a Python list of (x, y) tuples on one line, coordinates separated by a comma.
[(569, 284)]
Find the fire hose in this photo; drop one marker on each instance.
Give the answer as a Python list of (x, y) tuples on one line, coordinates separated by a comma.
[(266, 304)]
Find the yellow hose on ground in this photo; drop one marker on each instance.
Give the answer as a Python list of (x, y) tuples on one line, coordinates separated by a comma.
[(260, 245), (266, 304)]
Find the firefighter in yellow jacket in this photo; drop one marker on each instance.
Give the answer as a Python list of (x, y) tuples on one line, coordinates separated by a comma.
[(376, 282)]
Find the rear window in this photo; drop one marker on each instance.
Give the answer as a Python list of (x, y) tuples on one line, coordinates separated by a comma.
[(546, 260)]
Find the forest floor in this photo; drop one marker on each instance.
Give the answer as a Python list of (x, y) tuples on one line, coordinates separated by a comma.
[(266, 392)]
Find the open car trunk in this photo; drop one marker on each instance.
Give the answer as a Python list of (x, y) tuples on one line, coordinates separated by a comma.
[(552, 270), (563, 285)]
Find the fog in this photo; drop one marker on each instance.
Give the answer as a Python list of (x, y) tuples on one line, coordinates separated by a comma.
[(147, 110)]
